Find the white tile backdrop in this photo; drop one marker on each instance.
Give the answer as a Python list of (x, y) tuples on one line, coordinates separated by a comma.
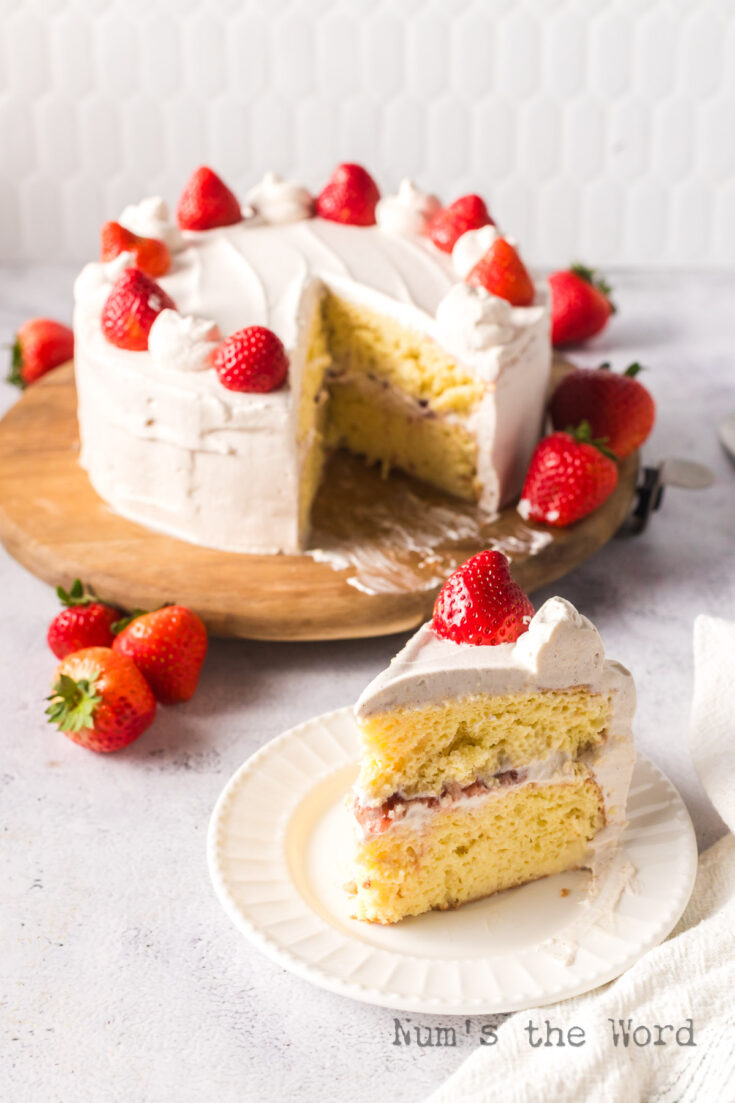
[(603, 129)]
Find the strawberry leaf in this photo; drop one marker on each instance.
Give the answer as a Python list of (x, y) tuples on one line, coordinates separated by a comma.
[(583, 433), (633, 370), (118, 625), (76, 594), (73, 704), (16, 364)]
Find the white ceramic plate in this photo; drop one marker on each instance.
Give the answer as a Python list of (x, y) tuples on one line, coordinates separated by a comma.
[(278, 847)]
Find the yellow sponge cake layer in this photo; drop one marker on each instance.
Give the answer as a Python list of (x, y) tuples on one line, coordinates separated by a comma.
[(362, 342), (367, 416), (475, 847), (417, 751)]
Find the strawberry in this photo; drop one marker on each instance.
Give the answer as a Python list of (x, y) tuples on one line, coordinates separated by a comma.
[(619, 409), (100, 699), (580, 305), (502, 272), (132, 306), (168, 647), (569, 476), (349, 196), (206, 202), (151, 255), (481, 604), (448, 224), (252, 359), (40, 345), (83, 622)]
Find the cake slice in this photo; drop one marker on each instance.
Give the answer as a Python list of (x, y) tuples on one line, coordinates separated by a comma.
[(496, 749)]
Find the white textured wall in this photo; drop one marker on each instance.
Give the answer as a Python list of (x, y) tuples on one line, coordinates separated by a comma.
[(603, 129)]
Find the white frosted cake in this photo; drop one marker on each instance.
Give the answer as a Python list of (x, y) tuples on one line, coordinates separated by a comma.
[(391, 355), (486, 766)]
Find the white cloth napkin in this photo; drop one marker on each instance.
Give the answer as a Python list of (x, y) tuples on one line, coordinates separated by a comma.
[(689, 976)]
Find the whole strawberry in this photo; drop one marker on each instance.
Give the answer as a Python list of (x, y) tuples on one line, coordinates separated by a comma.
[(580, 305), (40, 345), (206, 202), (350, 196), (568, 477), (134, 303), (619, 409), (481, 604), (151, 255), (100, 699), (252, 359), (83, 622), (502, 272), (448, 224), (168, 647)]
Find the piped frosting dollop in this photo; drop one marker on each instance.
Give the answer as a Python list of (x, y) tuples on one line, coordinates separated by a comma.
[(151, 218), (470, 319), (183, 342), (408, 212), (277, 200)]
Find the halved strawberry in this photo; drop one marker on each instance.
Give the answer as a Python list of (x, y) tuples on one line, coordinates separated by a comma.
[(132, 306), (151, 255), (206, 202), (350, 196), (502, 272), (481, 604), (469, 212)]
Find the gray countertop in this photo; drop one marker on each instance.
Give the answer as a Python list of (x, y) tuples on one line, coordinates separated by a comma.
[(122, 979)]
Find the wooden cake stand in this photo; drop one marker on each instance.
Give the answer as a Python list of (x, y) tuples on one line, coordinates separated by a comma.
[(388, 543)]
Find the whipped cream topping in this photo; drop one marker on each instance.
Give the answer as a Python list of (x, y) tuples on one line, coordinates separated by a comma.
[(560, 649), (183, 342), (151, 218), (408, 212), (277, 200), (469, 319), (471, 247)]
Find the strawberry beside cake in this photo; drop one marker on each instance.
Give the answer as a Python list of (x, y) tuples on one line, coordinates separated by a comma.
[(221, 357), (496, 749)]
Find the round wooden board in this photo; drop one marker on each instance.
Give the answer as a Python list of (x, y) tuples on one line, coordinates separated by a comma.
[(53, 522)]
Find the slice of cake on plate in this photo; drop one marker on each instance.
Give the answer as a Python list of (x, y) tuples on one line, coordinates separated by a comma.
[(496, 749)]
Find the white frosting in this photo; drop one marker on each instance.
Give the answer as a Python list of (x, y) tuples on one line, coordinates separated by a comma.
[(408, 212), (171, 449), (92, 285), (151, 218), (561, 648), (469, 320), (184, 343), (277, 200), (471, 247)]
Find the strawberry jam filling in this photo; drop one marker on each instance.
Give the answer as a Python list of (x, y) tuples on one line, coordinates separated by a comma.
[(376, 819)]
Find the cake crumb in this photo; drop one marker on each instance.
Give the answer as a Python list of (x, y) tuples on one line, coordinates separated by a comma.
[(565, 892)]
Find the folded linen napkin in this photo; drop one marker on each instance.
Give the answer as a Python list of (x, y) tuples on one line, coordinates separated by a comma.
[(689, 976)]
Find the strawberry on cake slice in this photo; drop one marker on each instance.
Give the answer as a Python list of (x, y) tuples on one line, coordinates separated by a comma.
[(496, 749)]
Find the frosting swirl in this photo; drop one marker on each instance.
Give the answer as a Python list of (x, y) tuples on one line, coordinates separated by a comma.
[(408, 212), (277, 200), (182, 342), (469, 319), (151, 218)]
